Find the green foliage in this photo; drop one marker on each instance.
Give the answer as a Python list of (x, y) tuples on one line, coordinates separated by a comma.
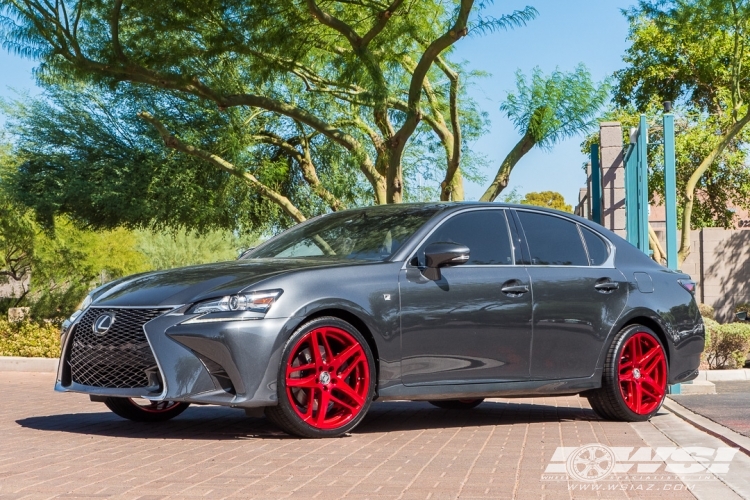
[(70, 262), (726, 345), (548, 199), (30, 339), (271, 111), (725, 183), (512, 196), (179, 249), (742, 307), (550, 108)]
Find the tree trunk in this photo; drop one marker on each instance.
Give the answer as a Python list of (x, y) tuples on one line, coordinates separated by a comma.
[(503, 174), (692, 182)]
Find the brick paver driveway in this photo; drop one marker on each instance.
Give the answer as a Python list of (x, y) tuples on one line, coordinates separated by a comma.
[(63, 445)]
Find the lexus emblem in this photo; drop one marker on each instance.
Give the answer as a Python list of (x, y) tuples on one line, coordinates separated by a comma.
[(103, 323)]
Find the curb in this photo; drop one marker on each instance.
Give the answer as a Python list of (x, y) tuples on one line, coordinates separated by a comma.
[(709, 426), (19, 364), (724, 375)]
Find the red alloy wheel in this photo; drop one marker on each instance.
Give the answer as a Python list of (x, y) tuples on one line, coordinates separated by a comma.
[(327, 378), (642, 373)]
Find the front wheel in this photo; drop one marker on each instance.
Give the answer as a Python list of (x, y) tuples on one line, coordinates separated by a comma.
[(151, 411), (634, 383), (457, 404), (326, 380)]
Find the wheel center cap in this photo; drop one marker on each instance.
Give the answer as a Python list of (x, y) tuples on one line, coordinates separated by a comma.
[(325, 378), (636, 373)]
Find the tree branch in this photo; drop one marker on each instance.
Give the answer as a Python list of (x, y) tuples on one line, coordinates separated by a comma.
[(173, 142)]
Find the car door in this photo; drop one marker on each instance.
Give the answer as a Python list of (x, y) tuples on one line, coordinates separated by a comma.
[(463, 328), (578, 294)]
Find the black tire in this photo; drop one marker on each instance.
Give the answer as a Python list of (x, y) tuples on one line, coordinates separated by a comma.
[(155, 412), (609, 401), (457, 404), (285, 416)]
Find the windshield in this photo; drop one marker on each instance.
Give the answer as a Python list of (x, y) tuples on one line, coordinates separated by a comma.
[(373, 234)]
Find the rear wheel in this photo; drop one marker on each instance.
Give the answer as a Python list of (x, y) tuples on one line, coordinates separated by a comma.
[(148, 411), (326, 380), (457, 404), (634, 382)]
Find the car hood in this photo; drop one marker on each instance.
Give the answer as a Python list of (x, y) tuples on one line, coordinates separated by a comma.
[(192, 284)]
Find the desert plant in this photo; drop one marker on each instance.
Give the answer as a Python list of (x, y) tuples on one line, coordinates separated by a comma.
[(707, 311), (30, 339), (726, 345)]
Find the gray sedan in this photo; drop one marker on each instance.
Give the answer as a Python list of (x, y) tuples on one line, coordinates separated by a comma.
[(449, 303)]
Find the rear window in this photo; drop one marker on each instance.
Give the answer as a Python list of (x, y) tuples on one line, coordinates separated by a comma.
[(552, 241), (598, 250)]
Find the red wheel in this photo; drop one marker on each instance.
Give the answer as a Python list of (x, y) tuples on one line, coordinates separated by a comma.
[(326, 381), (145, 411), (635, 377), (642, 371)]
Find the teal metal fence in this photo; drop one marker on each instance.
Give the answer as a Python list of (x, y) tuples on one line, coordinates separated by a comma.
[(637, 189)]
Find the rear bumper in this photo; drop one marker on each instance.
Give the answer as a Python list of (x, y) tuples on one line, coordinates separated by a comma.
[(226, 363)]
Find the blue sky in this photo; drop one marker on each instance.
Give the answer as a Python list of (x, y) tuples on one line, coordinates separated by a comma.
[(565, 33)]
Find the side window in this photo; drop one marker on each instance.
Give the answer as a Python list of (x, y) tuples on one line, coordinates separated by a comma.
[(598, 250), (485, 232), (552, 241)]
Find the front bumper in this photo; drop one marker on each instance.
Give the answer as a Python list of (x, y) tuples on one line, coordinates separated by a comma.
[(227, 363)]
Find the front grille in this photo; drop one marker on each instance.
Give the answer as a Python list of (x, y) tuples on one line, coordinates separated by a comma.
[(118, 359)]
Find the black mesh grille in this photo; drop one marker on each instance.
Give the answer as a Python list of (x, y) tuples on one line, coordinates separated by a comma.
[(118, 359)]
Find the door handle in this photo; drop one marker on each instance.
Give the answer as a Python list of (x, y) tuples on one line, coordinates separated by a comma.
[(607, 286), (515, 289)]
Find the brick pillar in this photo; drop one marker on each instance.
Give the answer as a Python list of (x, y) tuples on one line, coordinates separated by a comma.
[(613, 177)]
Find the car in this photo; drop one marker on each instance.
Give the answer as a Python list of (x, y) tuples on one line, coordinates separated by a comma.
[(449, 303)]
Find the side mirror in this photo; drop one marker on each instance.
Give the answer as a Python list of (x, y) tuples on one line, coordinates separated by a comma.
[(742, 316), (437, 255)]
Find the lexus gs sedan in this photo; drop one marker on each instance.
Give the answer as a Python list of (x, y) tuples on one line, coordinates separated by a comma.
[(449, 303)]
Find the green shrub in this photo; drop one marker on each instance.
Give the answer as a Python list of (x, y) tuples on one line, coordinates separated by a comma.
[(726, 345), (707, 311), (742, 307), (29, 338)]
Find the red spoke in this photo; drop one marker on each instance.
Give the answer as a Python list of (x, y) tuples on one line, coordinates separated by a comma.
[(351, 393), (352, 408), (308, 381), (293, 369), (344, 355), (310, 404), (638, 397), (315, 348), (326, 346), (348, 370), (322, 408)]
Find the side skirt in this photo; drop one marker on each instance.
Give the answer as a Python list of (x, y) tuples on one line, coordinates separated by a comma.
[(529, 388)]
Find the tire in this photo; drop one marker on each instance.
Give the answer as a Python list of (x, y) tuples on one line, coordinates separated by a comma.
[(344, 384), (634, 383), (457, 404), (156, 411)]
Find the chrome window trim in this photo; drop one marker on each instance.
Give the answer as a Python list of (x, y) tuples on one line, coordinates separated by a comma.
[(607, 264), (504, 210)]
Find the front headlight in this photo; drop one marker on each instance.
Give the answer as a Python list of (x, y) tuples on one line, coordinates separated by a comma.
[(257, 302), (81, 307)]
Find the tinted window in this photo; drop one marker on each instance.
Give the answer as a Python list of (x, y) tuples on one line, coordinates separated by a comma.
[(485, 232), (552, 241), (598, 251), (369, 234)]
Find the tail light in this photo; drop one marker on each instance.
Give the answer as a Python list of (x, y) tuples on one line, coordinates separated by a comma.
[(688, 285)]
